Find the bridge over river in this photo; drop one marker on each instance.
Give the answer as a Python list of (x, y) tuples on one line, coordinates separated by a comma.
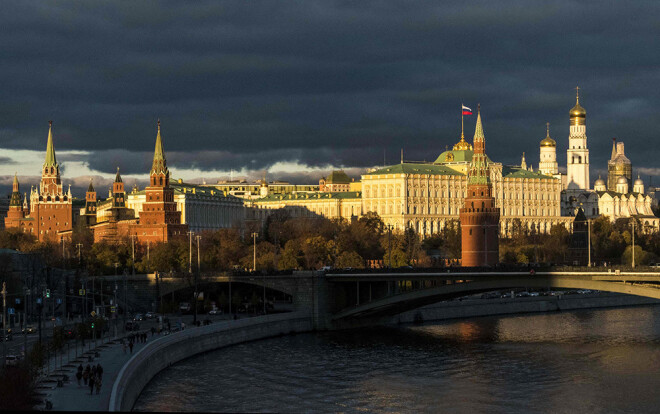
[(345, 298)]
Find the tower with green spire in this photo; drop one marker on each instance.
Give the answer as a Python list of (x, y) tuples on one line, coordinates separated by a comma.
[(15, 212), (159, 219), (480, 218), (50, 206)]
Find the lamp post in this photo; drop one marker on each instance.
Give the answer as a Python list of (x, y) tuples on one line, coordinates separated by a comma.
[(133, 236), (589, 242), (633, 242), (79, 245), (4, 323), (254, 252), (389, 246), (197, 238), (190, 233)]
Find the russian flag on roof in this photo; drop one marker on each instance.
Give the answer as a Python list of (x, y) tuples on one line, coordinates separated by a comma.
[(466, 110)]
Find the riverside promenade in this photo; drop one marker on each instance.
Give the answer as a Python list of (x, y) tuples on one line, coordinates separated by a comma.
[(72, 397), (126, 374)]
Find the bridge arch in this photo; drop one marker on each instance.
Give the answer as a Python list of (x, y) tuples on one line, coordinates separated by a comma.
[(403, 302)]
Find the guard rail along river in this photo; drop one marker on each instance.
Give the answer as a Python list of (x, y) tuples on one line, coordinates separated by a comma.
[(167, 350)]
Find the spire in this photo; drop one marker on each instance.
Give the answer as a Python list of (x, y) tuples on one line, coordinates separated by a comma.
[(577, 95), (50, 150), (479, 173), (523, 164), (90, 189), (613, 149), (117, 177), (159, 164), (15, 200), (479, 134)]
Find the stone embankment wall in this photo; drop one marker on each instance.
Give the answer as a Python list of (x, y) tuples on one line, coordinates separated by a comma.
[(167, 350), (486, 307)]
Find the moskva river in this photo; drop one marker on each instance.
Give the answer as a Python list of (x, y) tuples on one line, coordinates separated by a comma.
[(593, 361)]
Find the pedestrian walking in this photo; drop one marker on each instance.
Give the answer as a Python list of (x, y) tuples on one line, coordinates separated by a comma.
[(91, 385), (79, 372), (86, 374), (93, 373), (123, 344), (153, 331), (99, 370), (130, 345), (98, 384)]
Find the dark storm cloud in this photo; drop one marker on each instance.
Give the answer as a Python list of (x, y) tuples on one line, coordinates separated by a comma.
[(247, 84)]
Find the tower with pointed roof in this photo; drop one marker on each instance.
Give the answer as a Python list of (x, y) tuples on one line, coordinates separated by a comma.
[(15, 212), (479, 217), (577, 155), (50, 207), (159, 219), (88, 213)]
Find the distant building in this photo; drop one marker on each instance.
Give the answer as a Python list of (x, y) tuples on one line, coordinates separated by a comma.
[(202, 207), (337, 181), (618, 166), (255, 189)]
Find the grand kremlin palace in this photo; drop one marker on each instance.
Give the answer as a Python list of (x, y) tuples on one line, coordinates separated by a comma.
[(426, 196)]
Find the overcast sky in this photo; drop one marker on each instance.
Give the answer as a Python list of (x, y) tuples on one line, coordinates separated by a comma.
[(299, 88)]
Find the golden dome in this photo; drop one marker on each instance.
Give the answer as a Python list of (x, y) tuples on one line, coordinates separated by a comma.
[(462, 145), (547, 141), (577, 113)]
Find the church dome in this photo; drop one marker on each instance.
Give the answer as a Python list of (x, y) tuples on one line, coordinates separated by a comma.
[(639, 181), (622, 180), (599, 182), (578, 114), (547, 141)]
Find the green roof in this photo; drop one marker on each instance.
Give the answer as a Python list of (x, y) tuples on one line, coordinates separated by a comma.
[(408, 168), (338, 177), (517, 172), (316, 195), (455, 156)]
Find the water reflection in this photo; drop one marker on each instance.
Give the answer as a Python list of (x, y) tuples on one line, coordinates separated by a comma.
[(591, 361)]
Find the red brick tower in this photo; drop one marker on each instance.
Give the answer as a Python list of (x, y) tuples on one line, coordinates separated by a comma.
[(89, 213), (16, 212), (50, 207), (480, 219), (159, 218)]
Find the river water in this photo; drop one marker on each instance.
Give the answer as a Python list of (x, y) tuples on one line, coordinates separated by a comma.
[(588, 361)]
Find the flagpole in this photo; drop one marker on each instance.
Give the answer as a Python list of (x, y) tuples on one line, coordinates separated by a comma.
[(462, 136)]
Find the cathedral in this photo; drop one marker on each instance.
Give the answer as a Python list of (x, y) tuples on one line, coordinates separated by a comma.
[(618, 197)]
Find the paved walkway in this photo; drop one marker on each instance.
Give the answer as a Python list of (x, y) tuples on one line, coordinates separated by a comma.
[(72, 397)]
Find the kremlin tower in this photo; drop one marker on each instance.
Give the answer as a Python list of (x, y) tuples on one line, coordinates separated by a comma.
[(479, 217), (159, 218), (16, 212), (50, 208)]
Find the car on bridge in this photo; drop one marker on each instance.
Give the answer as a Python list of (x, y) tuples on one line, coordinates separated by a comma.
[(29, 329)]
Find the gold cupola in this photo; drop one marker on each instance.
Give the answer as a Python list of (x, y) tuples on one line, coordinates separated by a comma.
[(578, 114), (547, 141)]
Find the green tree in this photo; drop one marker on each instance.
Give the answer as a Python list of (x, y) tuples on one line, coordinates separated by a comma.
[(349, 259)]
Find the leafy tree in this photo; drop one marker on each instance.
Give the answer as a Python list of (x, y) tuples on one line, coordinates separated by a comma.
[(349, 259)]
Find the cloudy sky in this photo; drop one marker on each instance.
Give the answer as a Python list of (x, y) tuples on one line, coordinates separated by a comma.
[(298, 88)]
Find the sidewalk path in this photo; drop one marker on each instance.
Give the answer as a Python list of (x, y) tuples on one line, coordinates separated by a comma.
[(71, 397)]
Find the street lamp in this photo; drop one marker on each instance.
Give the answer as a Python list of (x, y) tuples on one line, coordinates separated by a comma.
[(190, 233), (389, 245), (589, 242), (254, 253), (196, 295), (633, 242)]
